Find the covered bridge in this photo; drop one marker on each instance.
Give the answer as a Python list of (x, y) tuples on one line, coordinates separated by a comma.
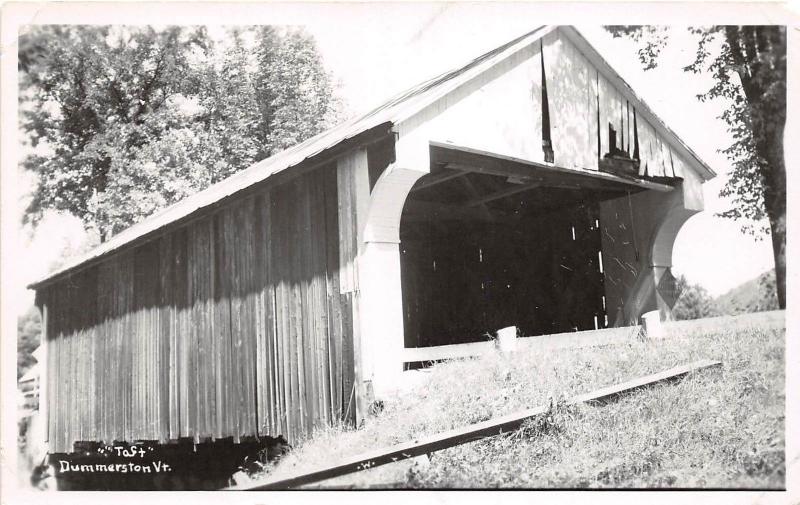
[(530, 187)]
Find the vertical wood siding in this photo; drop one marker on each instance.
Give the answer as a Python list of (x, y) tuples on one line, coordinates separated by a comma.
[(501, 111), (230, 326), (621, 255), (352, 186)]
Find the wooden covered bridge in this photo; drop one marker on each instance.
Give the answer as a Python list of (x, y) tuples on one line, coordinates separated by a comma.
[(530, 187)]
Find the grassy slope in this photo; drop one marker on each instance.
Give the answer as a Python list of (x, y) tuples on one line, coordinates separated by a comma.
[(718, 428), (749, 296)]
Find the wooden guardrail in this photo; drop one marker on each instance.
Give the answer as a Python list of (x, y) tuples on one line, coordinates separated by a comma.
[(605, 336), (463, 435)]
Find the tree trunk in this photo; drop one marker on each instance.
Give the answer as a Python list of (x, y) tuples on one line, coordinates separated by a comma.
[(775, 203), (761, 64), (770, 120)]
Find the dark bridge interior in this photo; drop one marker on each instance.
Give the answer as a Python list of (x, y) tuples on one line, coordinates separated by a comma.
[(488, 243)]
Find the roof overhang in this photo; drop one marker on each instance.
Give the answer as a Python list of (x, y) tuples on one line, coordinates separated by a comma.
[(485, 162), (300, 159)]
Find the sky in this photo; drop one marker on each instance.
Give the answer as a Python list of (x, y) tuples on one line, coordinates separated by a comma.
[(374, 53)]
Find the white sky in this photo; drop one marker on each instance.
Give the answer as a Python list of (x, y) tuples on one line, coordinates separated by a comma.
[(377, 52)]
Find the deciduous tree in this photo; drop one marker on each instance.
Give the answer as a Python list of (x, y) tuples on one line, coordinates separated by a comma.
[(694, 301), (124, 121)]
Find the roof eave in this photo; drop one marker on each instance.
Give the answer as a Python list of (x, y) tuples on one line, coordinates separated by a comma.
[(145, 231)]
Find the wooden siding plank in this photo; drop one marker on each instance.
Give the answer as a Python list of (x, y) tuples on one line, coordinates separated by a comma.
[(194, 329), (230, 270), (568, 86), (168, 415), (317, 236), (106, 304), (281, 315), (280, 268), (299, 249), (266, 368), (334, 298), (593, 125), (125, 287), (604, 106), (353, 191), (248, 334), (678, 164), (629, 128), (270, 369), (310, 308), (262, 375), (666, 159), (183, 298), (347, 253), (222, 391), (647, 150)]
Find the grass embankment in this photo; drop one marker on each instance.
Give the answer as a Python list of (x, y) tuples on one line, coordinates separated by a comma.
[(717, 428)]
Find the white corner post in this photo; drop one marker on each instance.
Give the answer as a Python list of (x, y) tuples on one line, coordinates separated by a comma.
[(380, 289)]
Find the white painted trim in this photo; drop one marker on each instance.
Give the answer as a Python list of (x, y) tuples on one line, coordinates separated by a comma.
[(666, 233), (387, 202)]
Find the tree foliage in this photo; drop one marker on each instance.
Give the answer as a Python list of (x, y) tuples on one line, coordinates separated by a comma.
[(29, 331), (124, 121), (756, 295), (694, 301), (748, 66)]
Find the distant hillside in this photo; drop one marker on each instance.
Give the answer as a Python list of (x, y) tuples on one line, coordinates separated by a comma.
[(753, 296)]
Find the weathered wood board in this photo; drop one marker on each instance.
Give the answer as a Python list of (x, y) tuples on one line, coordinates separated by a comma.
[(231, 326)]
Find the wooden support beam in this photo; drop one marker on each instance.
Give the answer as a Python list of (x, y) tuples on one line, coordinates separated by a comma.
[(475, 195), (545, 180), (438, 178), (517, 188), (475, 160), (503, 424), (551, 180), (421, 210), (493, 168)]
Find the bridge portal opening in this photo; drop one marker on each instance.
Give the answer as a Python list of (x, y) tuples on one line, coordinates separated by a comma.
[(487, 243)]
